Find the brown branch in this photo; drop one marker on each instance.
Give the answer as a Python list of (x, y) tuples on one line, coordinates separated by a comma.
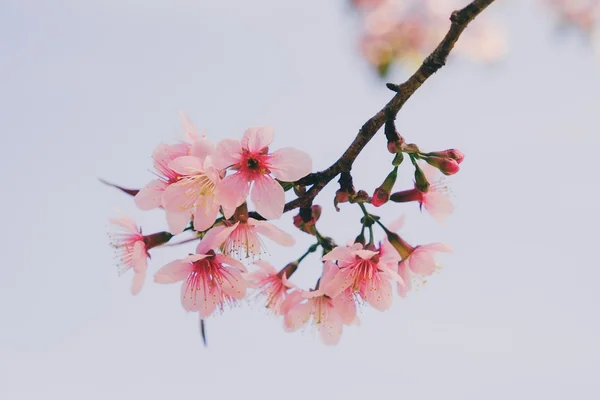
[(436, 60)]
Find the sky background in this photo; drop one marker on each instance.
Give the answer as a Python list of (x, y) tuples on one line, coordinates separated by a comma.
[(88, 89)]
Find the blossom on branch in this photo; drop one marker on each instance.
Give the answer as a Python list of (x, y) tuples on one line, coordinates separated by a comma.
[(253, 165)]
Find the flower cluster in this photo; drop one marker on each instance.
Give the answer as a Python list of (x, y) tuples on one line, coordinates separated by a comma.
[(580, 16), (402, 31), (205, 189)]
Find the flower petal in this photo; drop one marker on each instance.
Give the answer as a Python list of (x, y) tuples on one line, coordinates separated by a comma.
[(232, 191), (438, 205), (437, 247), (150, 196), (126, 223), (228, 153), (202, 148), (341, 253), (190, 131), (139, 257), (345, 306), (339, 282), (268, 197), (215, 237), (266, 267), (220, 258), (297, 316), (257, 138), (365, 254), (206, 212), (272, 232), (163, 154), (138, 281), (177, 221), (174, 271), (330, 325), (187, 165), (397, 224), (289, 164), (379, 294), (404, 272), (421, 262), (234, 284)]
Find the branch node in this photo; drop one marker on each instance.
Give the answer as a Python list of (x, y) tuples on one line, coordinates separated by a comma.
[(393, 87)]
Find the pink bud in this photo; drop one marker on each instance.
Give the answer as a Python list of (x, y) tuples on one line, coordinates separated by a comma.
[(447, 166), (394, 147), (380, 197), (457, 155)]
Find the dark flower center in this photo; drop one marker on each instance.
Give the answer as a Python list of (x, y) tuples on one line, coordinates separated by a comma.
[(252, 163)]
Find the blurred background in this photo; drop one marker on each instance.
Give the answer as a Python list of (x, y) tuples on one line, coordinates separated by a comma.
[(88, 89)]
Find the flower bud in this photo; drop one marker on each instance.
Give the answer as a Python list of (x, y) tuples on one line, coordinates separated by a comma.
[(404, 249), (420, 180), (156, 239), (406, 196), (394, 140), (398, 158), (360, 197), (288, 270), (447, 166), (454, 154), (382, 193), (306, 219)]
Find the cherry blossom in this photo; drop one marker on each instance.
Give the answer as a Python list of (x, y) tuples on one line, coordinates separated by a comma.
[(132, 249), (273, 285), (329, 315), (151, 196), (210, 281), (253, 166), (361, 270), (194, 190), (435, 200), (242, 239)]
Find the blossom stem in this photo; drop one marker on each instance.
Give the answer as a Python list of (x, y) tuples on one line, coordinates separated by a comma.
[(311, 249)]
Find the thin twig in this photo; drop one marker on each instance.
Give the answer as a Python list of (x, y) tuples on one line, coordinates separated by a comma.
[(436, 60)]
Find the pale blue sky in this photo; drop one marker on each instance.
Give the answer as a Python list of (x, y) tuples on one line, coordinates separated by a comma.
[(89, 88)]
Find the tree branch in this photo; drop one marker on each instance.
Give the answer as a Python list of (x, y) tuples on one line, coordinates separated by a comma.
[(436, 60)]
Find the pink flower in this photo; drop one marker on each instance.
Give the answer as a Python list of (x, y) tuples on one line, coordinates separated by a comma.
[(210, 281), (242, 239), (194, 190), (151, 196), (329, 315), (273, 285), (253, 164), (418, 260), (436, 200), (132, 249), (363, 272)]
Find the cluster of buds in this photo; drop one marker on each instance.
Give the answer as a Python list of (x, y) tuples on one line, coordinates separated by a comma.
[(206, 189), (403, 30), (429, 191)]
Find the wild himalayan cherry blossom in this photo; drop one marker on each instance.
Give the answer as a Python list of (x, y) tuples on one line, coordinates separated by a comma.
[(580, 13), (329, 315), (273, 285), (132, 250), (241, 239), (254, 165), (194, 192), (210, 280), (418, 260), (436, 200), (151, 196), (364, 272)]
